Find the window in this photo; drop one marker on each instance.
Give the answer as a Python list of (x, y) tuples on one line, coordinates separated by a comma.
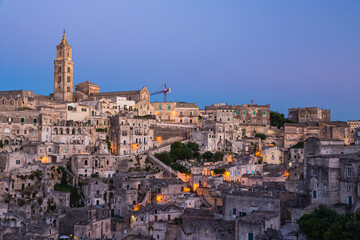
[(251, 236), (68, 89), (264, 113), (59, 79), (314, 172), (17, 162), (244, 112), (254, 112), (234, 211), (35, 121), (86, 163), (59, 69), (314, 194), (68, 79), (22, 121), (83, 109), (169, 107), (68, 69), (348, 172), (160, 107), (191, 114), (237, 112)]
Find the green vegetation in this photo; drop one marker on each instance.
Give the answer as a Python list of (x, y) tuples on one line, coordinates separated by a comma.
[(178, 220), (278, 119), (1, 144), (108, 142), (75, 199), (179, 151), (299, 145), (326, 224), (145, 117), (219, 170), (101, 129), (261, 136), (210, 157), (218, 156)]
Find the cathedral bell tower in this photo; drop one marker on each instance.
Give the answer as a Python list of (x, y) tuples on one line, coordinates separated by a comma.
[(63, 72)]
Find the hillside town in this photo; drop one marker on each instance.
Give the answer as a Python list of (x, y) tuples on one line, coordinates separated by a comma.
[(80, 163)]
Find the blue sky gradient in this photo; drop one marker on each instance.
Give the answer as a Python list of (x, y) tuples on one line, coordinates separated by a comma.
[(286, 53)]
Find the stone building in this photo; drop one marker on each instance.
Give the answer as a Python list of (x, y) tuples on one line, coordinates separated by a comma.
[(330, 171), (332, 179), (18, 128), (255, 224), (309, 114), (131, 135), (202, 224), (100, 165), (87, 222), (142, 219), (299, 132), (95, 193), (63, 72), (85, 88), (243, 203), (272, 155), (353, 125), (176, 112), (16, 99), (165, 111), (141, 98), (165, 189), (246, 116)]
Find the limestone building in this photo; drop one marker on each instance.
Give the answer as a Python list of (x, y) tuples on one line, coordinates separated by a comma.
[(309, 114), (63, 72)]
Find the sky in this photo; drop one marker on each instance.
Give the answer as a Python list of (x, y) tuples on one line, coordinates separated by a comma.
[(284, 53)]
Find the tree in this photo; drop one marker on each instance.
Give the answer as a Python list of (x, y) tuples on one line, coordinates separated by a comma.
[(322, 223), (278, 119), (261, 136), (193, 146), (165, 157), (299, 145), (208, 156), (218, 156), (219, 170)]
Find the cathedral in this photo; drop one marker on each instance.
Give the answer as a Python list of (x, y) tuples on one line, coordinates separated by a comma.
[(64, 88)]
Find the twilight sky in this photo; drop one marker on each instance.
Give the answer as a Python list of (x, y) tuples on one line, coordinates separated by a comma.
[(286, 53)]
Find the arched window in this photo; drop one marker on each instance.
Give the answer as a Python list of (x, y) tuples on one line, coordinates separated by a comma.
[(68, 79), (86, 162), (59, 79), (59, 69), (96, 163), (68, 89), (73, 131), (67, 131), (61, 131)]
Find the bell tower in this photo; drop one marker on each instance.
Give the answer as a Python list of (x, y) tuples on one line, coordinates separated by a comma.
[(63, 72)]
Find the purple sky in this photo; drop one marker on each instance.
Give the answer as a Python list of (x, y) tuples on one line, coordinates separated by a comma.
[(286, 53)]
